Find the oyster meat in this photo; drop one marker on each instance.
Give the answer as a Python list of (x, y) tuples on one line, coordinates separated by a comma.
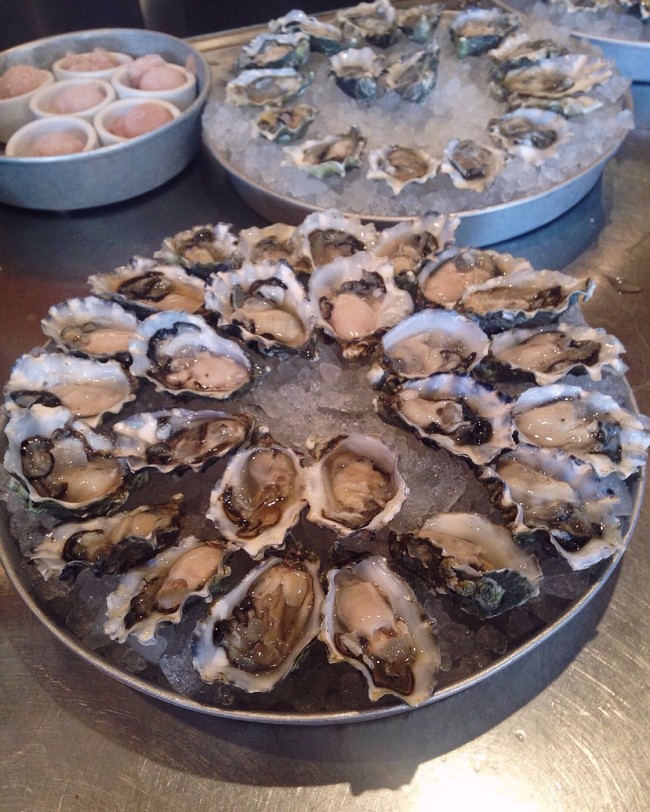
[(374, 23), (529, 133), (407, 245), (332, 155), (476, 30), (202, 250), (285, 124), (357, 72), (271, 86), (400, 166), (323, 236), (471, 165), (275, 51)]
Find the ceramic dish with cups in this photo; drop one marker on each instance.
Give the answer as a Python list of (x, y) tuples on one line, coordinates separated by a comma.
[(72, 97), (127, 168)]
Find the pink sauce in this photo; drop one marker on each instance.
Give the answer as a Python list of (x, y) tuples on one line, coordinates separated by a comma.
[(20, 79), (97, 59), (57, 143), (139, 120), (75, 99)]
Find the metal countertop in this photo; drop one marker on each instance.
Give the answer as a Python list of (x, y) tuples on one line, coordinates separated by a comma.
[(564, 728)]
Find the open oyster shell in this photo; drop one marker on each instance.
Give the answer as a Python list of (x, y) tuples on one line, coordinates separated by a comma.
[(271, 86), (202, 250), (323, 236), (471, 165), (522, 51), (374, 23), (419, 22), (357, 72), (284, 124), (324, 37), (476, 30), (400, 166), (413, 75), (275, 50), (372, 620), (331, 155), (558, 76), (529, 133)]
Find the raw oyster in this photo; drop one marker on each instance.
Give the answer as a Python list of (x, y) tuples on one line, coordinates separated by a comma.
[(413, 75), (180, 353), (471, 165), (202, 250), (523, 297), (477, 30), (454, 411), (520, 51), (325, 235), (326, 38), (332, 155), (530, 133), (566, 106), (357, 300), (399, 166), (274, 51), (357, 72), (472, 557), (427, 342), (255, 634), (265, 305), (546, 354), (179, 438), (262, 87), (88, 388), (561, 496), (158, 591), (445, 277), (62, 464), (419, 22), (148, 286), (373, 621), (408, 244), (354, 484), (589, 425), (259, 497), (374, 23), (109, 545), (90, 327), (284, 124), (557, 76)]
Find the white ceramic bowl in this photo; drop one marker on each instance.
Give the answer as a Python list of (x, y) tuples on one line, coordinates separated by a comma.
[(181, 96), (14, 111), (106, 118), (44, 102), (61, 72), (23, 141)]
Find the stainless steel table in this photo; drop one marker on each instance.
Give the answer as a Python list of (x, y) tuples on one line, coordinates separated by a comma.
[(565, 728)]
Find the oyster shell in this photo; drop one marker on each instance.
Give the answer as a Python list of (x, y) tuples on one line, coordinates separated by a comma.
[(255, 634), (158, 591), (477, 30), (326, 235), (454, 411), (374, 23), (180, 353), (108, 545), (589, 425), (202, 250), (90, 389), (324, 37), (470, 556), (274, 243), (275, 50), (400, 166), (557, 76), (179, 438), (357, 300), (520, 51), (471, 165), (357, 71), (284, 124), (529, 133), (354, 484), (331, 155), (413, 75), (373, 621), (419, 22), (262, 87), (259, 497), (90, 327), (265, 305)]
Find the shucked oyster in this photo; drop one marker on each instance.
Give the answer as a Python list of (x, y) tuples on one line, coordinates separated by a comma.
[(400, 166), (520, 51), (325, 38), (471, 165), (324, 236), (272, 86), (557, 76), (354, 484), (478, 30), (408, 244), (357, 72), (274, 51), (419, 22), (284, 124), (413, 75), (332, 155), (372, 620), (530, 134), (202, 250), (373, 22), (255, 634)]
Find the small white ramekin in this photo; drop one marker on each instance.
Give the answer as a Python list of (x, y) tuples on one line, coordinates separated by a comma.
[(181, 96), (62, 73), (109, 114), (15, 112), (42, 103), (21, 143)]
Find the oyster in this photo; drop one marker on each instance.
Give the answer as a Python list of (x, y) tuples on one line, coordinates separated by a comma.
[(255, 634), (557, 76), (523, 297), (470, 556), (326, 235), (354, 484), (91, 327), (62, 465), (202, 250), (408, 244), (357, 300), (373, 22), (589, 425), (109, 545), (471, 165), (357, 72), (566, 106), (284, 124), (562, 497), (413, 75), (400, 166), (444, 277), (260, 496), (477, 30), (179, 438), (427, 342), (529, 133), (546, 354), (90, 389), (275, 51), (272, 86), (158, 591), (332, 155), (520, 51), (180, 353), (419, 22), (372, 620), (326, 38), (148, 286), (454, 411), (265, 305)]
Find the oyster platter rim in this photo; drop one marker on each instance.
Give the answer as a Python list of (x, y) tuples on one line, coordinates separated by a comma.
[(479, 227), (12, 562)]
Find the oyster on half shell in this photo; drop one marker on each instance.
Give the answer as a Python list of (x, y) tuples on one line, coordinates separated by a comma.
[(399, 166), (331, 155)]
